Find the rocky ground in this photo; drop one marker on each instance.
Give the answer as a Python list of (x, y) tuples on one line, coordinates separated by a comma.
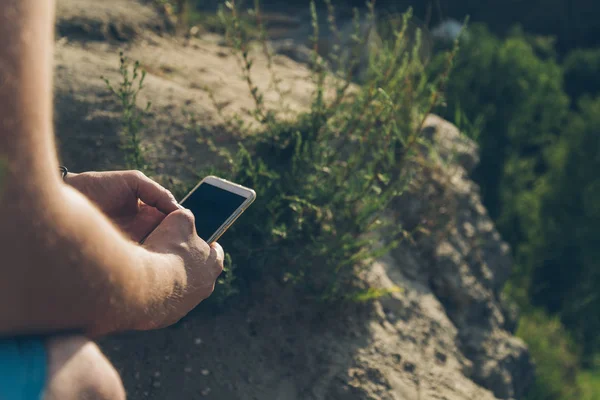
[(447, 335)]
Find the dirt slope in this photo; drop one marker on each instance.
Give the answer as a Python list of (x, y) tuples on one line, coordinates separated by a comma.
[(446, 336)]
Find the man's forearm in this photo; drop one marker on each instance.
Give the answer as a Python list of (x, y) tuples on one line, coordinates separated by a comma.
[(63, 265), (75, 271)]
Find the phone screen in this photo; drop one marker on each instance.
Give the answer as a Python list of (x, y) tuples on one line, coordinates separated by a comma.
[(211, 206)]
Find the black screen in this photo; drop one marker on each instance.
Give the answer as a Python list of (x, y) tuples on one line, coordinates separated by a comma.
[(211, 207)]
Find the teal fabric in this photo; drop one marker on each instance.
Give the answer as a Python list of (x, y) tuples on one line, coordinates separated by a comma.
[(22, 369)]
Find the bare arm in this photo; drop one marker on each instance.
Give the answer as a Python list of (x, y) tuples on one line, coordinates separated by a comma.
[(63, 265)]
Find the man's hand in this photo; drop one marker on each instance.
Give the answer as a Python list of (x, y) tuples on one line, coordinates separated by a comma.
[(138, 206), (134, 202), (175, 244)]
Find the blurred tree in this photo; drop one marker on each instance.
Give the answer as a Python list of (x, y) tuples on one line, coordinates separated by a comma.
[(540, 180), (520, 97), (540, 166), (582, 73), (572, 22), (565, 250)]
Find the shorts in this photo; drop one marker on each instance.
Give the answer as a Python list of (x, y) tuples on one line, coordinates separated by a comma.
[(23, 368)]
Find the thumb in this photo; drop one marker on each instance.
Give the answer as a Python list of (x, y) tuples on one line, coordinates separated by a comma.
[(152, 193), (177, 225)]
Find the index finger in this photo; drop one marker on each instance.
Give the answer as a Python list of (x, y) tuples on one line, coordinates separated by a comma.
[(152, 193)]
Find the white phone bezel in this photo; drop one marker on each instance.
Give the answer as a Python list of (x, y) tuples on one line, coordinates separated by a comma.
[(248, 194)]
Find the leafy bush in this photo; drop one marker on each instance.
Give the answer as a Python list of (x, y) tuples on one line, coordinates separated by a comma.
[(126, 94), (324, 180), (518, 95), (213, 22), (566, 251), (554, 354), (582, 73), (538, 175), (516, 100), (589, 384)]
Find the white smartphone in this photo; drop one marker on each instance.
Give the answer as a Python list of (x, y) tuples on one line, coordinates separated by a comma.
[(216, 203)]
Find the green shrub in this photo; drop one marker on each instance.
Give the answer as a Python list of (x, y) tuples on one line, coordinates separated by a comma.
[(517, 95), (589, 384), (565, 249), (126, 93), (213, 22), (554, 354), (582, 73), (514, 92), (539, 180), (325, 179)]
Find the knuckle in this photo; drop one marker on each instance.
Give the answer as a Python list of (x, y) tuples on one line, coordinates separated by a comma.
[(189, 216), (181, 224), (138, 174), (203, 247), (183, 216)]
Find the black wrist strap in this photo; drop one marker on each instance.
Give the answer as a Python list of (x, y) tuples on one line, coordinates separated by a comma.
[(63, 171)]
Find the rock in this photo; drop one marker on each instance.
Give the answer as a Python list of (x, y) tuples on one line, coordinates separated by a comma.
[(451, 145), (409, 367), (334, 50), (339, 47), (194, 31), (108, 20), (511, 314), (441, 357), (467, 264), (503, 362), (298, 52)]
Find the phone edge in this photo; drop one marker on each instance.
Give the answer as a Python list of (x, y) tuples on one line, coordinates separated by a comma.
[(227, 224)]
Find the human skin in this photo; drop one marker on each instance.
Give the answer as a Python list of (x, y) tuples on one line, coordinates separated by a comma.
[(77, 370), (65, 266), (131, 200)]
